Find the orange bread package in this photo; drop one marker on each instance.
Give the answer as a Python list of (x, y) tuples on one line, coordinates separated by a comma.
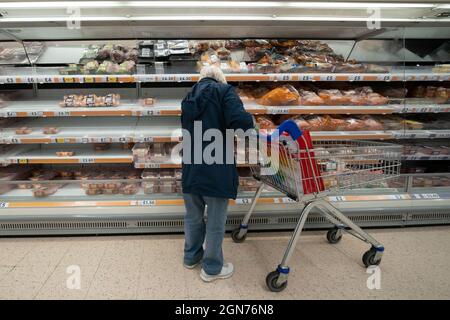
[(281, 96)]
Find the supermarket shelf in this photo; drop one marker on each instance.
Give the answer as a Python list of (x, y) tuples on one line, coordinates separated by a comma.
[(422, 108), (94, 130), (419, 156), (29, 154), (172, 107), (157, 129), (75, 196), (169, 107), (50, 75), (426, 134), (165, 213)]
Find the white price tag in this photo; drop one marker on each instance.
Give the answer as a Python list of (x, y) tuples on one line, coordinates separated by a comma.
[(287, 200), (146, 78), (147, 139), (277, 110), (306, 78), (281, 77), (355, 77), (337, 199), (430, 196), (243, 201), (11, 114), (147, 202), (4, 205), (153, 165), (167, 78), (153, 112), (442, 134), (183, 78), (36, 113), (44, 79), (87, 160), (63, 113)]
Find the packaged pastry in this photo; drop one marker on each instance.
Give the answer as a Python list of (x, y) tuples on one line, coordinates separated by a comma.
[(310, 98), (45, 191), (318, 122), (281, 96), (333, 97), (148, 102), (65, 153), (430, 92), (24, 130), (50, 130), (442, 95), (129, 189), (355, 98), (375, 99), (264, 122), (370, 123)]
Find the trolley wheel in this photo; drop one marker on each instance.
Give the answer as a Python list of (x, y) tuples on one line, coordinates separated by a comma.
[(271, 282), (235, 236), (332, 235), (368, 258)]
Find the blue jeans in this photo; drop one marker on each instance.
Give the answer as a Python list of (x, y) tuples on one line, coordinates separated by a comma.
[(196, 230)]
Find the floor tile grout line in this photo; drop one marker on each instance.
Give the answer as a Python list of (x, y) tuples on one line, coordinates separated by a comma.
[(53, 271), (96, 270)]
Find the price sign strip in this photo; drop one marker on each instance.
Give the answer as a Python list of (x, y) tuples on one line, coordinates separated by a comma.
[(238, 201), (118, 78)]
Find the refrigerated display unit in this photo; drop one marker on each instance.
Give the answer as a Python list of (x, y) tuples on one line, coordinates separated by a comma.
[(90, 106)]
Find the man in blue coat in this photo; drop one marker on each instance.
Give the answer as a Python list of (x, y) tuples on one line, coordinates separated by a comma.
[(209, 179)]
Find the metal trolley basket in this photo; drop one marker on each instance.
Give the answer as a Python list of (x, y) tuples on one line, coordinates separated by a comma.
[(307, 174)]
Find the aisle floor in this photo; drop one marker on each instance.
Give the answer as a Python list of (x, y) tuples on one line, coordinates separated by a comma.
[(415, 266)]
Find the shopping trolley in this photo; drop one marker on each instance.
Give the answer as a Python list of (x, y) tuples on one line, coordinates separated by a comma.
[(289, 163)]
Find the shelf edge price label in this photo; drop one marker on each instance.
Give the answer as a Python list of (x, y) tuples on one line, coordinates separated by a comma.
[(4, 205), (287, 200), (153, 165), (22, 161), (45, 79), (430, 196), (147, 139), (277, 110), (68, 80), (11, 114), (183, 78), (147, 78), (88, 79), (36, 113), (152, 112), (87, 160), (63, 113), (337, 199), (167, 78), (281, 77), (111, 79), (147, 203), (243, 201)]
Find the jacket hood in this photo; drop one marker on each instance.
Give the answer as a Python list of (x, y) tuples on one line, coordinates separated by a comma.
[(194, 103)]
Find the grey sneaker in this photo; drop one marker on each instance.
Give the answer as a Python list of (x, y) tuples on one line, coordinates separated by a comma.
[(226, 272)]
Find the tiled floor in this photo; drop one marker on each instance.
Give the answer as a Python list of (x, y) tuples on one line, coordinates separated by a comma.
[(415, 266)]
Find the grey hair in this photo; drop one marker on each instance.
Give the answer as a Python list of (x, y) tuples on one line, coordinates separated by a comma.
[(214, 72)]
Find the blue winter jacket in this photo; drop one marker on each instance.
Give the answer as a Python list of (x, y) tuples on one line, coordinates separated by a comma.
[(217, 106)]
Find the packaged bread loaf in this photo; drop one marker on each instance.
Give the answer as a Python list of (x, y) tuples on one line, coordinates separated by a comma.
[(281, 96)]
